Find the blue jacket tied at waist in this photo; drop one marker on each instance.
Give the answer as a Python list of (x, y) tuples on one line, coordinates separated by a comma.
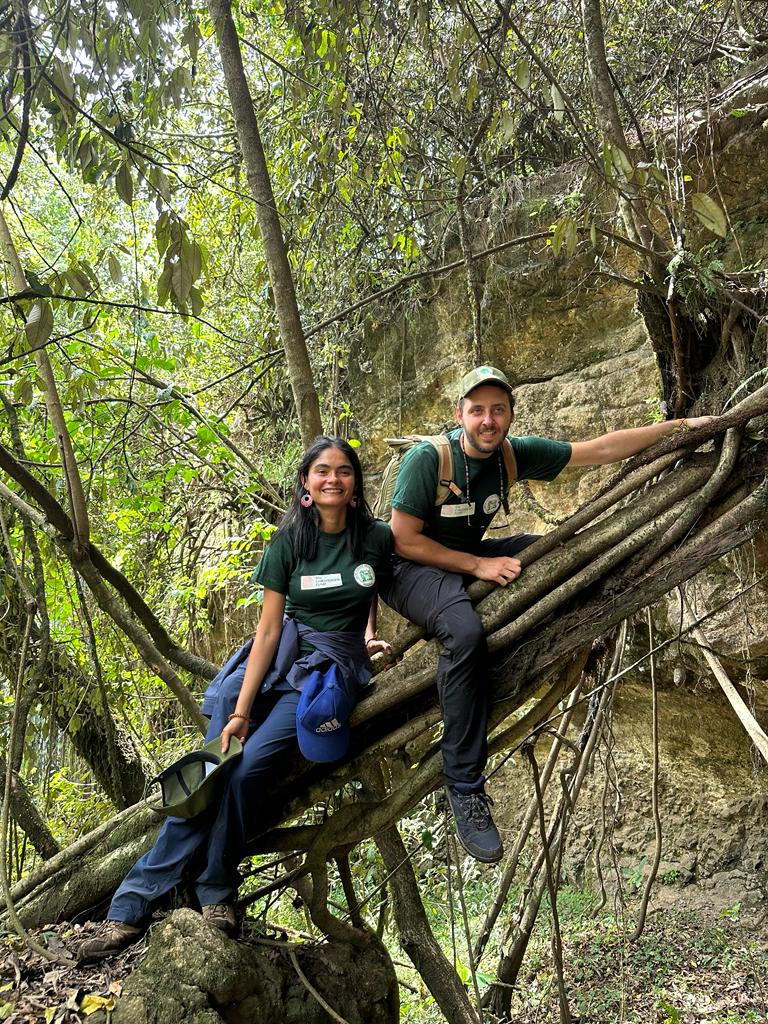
[(289, 666)]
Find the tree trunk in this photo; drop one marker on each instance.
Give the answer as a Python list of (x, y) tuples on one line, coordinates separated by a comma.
[(275, 252), (105, 747), (72, 481), (416, 936), (634, 211), (75, 882), (28, 818)]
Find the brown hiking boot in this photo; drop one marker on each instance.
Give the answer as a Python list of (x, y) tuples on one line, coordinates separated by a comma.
[(221, 916), (112, 937)]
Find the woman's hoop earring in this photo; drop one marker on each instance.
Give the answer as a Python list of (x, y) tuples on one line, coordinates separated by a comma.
[(306, 500), (354, 501)]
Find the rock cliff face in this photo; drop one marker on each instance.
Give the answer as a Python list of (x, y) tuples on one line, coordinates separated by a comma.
[(579, 353)]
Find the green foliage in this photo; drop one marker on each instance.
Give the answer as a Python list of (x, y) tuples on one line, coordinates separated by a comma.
[(671, 1014), (634, 876), (79, 806), (565, 236)]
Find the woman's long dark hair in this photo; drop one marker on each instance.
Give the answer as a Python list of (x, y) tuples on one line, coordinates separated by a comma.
[(303, 524)]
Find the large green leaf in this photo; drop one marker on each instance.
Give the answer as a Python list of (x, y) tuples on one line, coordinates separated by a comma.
[(124, 184), (164, 284), (181, 281), (39, 325), (709, 213), (621, 162), (115, 270)]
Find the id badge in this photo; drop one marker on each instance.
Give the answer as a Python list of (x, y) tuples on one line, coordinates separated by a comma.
[(324, 582), (467, 508)]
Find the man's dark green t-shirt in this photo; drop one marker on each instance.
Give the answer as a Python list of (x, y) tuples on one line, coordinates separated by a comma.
[(333, 591), (462, 520)]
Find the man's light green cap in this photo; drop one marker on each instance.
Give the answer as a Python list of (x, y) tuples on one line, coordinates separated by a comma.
[(483, 375)]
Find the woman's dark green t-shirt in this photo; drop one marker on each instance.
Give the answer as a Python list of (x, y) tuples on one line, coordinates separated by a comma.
[(332, 591)]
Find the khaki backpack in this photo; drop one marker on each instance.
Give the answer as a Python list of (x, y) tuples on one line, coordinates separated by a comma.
[(444, 484)]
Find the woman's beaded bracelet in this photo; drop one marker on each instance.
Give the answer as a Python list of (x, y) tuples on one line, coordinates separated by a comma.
[(370, 639), (236, 714)]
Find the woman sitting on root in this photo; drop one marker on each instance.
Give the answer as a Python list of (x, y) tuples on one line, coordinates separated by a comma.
[(319, 574)]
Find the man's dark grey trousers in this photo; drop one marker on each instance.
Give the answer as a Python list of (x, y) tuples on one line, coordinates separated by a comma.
[(438, 601)]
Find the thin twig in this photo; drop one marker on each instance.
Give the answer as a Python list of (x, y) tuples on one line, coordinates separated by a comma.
[(654, 793), (313, 991), (467, 936), (557, 942)]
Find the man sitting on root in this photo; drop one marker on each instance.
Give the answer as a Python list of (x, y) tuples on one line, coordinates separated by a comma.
[(440, 549)]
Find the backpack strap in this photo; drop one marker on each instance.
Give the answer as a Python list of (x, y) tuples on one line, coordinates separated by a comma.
[(445, 482), (510, 468)]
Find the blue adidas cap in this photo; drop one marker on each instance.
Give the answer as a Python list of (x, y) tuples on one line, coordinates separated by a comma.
[(322, 717)]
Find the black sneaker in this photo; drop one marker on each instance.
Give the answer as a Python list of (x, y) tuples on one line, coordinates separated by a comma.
[(474, 824)]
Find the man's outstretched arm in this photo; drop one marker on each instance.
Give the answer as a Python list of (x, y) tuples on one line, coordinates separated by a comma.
[(620, 444)]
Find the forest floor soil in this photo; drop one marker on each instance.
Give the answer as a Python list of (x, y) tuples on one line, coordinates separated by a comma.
[(684, 969)]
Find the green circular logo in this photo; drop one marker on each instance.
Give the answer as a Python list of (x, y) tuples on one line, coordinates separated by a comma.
[(364, 575), (491, 504)]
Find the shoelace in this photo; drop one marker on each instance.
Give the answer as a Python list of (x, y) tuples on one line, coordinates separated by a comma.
[(116, 929), (220, 912), (475, 808)]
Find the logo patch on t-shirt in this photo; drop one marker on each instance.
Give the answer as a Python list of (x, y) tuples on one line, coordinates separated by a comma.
[(491, 504), (330, 579), (364, 575)]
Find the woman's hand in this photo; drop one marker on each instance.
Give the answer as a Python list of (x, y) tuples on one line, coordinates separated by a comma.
[(235, 727), (375, 646)]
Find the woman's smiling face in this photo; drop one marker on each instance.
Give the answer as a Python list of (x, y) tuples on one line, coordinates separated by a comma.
[(330, 480)]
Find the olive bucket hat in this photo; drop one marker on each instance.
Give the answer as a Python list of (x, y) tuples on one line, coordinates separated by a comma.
[(193, 782)]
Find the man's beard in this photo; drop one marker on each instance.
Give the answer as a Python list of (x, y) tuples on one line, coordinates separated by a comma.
[(487, 444)]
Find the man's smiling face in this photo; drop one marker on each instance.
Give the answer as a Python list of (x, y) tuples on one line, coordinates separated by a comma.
[(485, 415)]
